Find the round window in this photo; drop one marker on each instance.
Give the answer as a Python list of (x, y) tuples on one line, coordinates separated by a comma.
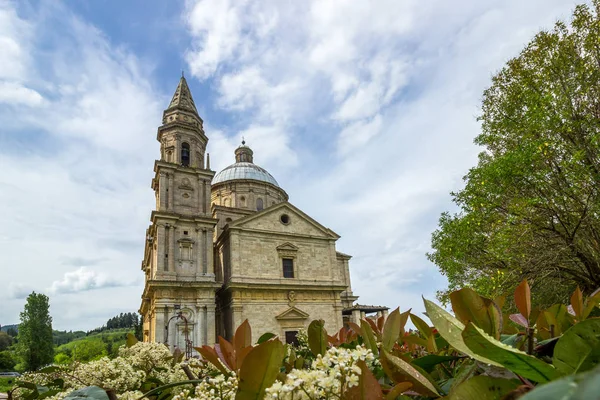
[(285, 219)]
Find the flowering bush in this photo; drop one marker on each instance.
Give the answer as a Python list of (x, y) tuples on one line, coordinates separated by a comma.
[(478, 353), (330, 376)]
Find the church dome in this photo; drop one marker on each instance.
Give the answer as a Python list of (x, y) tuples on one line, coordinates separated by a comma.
[(242, 171)]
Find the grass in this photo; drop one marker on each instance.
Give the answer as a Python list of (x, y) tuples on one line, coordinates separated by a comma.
[(6, 384)]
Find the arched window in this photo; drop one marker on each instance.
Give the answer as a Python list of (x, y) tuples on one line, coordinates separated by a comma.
[(259, 204), (185, 154), (242, 201)]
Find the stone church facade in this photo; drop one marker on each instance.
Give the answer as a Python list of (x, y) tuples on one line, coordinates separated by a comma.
[(228, 247)]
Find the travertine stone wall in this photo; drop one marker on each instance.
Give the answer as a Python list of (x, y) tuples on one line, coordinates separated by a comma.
[(255, 257), (262, 316), (245, 193), (251, 252)]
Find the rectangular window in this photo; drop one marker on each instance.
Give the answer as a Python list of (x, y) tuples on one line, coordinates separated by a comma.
[(288, 268), (291, 337)]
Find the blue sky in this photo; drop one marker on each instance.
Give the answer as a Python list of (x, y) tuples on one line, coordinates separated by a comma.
[(364, 111)]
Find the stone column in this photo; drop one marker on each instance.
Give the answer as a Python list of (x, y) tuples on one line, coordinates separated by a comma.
[(198, 246), (162, 190), (205, 248), (236, 314), (162, 248), (151, 322), (171, 192), (355, 316), (172, 248), (210, 325), (203, 326), (200, 191), (172, 328), (159, 325), (206, 200)]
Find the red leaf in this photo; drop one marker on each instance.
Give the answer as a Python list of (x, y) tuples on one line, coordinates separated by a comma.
[(519, 319), (523, 298), (228, 354)]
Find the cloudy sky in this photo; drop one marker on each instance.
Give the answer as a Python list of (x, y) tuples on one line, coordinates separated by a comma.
[(364, 111)]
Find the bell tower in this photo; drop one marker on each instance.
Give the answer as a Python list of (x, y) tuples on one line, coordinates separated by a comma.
[(178, 303)]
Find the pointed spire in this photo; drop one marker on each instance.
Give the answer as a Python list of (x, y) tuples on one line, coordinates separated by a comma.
[(182, 98)]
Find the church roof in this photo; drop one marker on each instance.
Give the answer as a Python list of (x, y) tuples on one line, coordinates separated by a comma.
[(244, 170), (182, 99)]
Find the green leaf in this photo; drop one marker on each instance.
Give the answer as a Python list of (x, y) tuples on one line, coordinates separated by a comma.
[(259, 370), (471, 307), (397, 390), (367, 389), (512, 359), (49, 393), (483, 388), (582, 386), (401, 371), (131, 340), (317, 337), (428, 362), (451, 329), (163, 388), (90, 392), (368, 337), (422, 326), (265, 336), (557, 315), (578, 349), (391, 329)]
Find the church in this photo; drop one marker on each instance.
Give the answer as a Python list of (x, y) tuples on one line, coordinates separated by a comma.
[(227, 247)]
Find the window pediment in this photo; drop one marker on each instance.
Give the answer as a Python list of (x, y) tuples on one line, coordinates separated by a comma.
[(287, 247), (292, 313)]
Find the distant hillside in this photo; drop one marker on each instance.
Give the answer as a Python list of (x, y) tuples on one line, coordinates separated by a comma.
[(5, 328), (92, 346), (64, 337)]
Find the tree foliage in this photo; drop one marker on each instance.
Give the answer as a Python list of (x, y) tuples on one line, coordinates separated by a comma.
[(35, 332), (5, 341), (123, 320), (531, 207)]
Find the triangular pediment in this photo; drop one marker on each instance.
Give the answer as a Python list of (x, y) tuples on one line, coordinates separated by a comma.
[(298, 222), (287, 246), (292, 313)]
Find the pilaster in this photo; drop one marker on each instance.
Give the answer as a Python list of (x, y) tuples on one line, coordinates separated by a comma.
[(171, 206), (171, 248), (210, 325)]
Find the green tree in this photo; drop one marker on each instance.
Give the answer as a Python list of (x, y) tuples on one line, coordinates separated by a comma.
[(7, 362), (5, 341), (35, 333), (87, 350), (531, 207)]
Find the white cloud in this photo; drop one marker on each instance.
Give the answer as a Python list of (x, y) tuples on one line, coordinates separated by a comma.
[(14, 93), (363, 111), (18, 291), (376, 100), (76, 169), (84, 279)]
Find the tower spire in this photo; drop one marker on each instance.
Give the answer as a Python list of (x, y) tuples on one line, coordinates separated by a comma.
[(182, 99)]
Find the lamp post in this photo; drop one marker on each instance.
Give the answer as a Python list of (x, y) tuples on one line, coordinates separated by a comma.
[(188, 342)]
